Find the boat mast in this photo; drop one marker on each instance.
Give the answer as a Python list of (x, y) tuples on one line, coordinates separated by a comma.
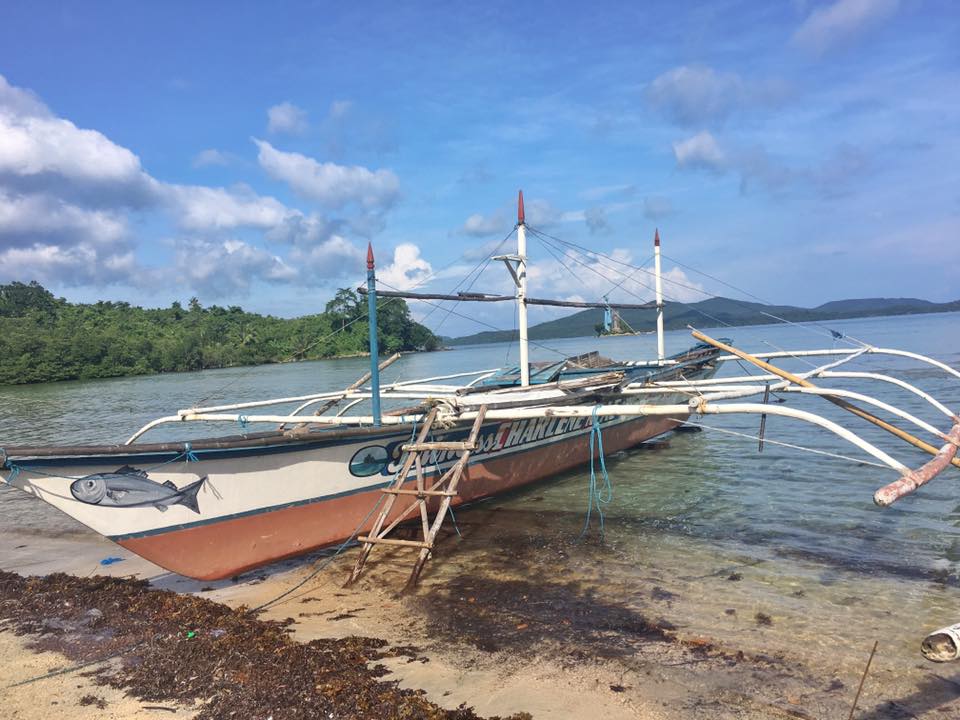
[(374, 349), (522, 293), (659, 288)]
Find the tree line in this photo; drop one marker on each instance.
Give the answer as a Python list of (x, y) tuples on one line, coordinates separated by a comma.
[(44, 338)]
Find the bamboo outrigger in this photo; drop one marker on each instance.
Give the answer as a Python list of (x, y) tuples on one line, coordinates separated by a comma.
[(316, 474)]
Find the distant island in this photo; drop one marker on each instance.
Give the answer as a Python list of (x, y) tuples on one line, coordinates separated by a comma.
[(44, 338), (713, 312)]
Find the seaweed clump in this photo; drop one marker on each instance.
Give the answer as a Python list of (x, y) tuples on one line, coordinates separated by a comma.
[(191, 650)]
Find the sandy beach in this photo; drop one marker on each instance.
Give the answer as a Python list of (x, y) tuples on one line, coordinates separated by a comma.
[(502, 633)]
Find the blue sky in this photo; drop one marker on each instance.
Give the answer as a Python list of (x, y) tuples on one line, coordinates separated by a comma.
[(246, 153)]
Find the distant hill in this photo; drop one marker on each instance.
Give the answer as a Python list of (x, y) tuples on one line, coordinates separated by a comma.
[(714, 312)]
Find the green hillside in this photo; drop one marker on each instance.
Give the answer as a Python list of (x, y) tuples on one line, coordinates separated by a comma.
[(714, 312), (44, 338)]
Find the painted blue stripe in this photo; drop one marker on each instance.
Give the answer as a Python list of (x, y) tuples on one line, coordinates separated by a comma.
[(208, 453)]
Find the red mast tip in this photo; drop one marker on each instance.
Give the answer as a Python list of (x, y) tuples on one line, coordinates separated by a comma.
[(369, 256), (520, 209), (656, 237)]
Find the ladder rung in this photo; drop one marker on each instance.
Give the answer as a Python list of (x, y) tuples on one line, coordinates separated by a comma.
[(404, 491), (415, 447), (392, 541)]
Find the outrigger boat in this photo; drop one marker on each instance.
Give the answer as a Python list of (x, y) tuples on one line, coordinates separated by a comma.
[(213, 508)]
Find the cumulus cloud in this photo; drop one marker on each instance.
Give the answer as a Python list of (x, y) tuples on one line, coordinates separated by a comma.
[(27, 219), (84, 263), (69, 196), (213, 208), (286, 118), (701, 151), (304, 230), (39, 151), (407, 269), (331, 185), (837, 23), (226, 267), (334, 257)]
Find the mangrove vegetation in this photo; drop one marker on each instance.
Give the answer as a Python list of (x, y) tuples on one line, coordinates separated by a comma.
[(44, 338)]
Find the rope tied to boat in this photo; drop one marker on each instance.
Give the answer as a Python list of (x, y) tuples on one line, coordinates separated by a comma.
[(600, 494), (188, 454)]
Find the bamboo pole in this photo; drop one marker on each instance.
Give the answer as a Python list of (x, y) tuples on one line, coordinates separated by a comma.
[(889, 494), (849, 407)]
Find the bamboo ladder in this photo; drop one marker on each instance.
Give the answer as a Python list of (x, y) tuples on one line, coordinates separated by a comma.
[(445, 487)]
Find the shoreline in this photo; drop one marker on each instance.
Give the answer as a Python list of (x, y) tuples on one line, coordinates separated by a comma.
[(523, 630)]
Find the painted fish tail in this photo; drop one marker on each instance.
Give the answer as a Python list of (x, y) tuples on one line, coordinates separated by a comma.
[(188, 496)]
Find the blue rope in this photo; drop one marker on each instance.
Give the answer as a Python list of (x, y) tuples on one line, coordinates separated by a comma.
[(188, 453), (599, 496)]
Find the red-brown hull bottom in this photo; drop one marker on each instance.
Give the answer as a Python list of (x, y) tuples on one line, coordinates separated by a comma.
[(231, 546)]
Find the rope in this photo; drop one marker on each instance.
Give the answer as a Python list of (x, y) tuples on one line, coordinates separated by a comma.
[(766, 440), (476, 320), (188, 455), (599, 496)]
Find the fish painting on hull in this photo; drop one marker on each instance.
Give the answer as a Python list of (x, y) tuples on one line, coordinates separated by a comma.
[(130, 487)]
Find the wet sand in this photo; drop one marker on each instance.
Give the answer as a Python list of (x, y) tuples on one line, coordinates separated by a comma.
[(533, 623)]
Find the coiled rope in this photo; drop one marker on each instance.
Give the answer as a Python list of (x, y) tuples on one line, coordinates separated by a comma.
[(601, 493)]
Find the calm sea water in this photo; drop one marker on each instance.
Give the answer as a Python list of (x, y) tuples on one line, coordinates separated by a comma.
[(800, 530)]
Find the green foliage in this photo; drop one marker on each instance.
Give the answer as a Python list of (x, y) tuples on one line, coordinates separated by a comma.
[(43, 338)]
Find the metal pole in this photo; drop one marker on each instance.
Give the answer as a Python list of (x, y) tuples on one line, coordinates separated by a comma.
[(374, 347), (522, 294), (659, 288)]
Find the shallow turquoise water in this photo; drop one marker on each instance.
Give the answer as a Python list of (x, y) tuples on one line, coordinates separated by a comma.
[(801, 529)]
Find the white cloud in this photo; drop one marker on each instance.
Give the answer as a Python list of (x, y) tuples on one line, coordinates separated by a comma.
[(478, 225), (334, 257), (839, 22), (27, 219), (81, 264), (407, 270), (331, 185), (212, 208), (287, 118), (19, 101), (226, 267), (69, 196), (303, 230), (40, 151), (700, 151), (210, 157)]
